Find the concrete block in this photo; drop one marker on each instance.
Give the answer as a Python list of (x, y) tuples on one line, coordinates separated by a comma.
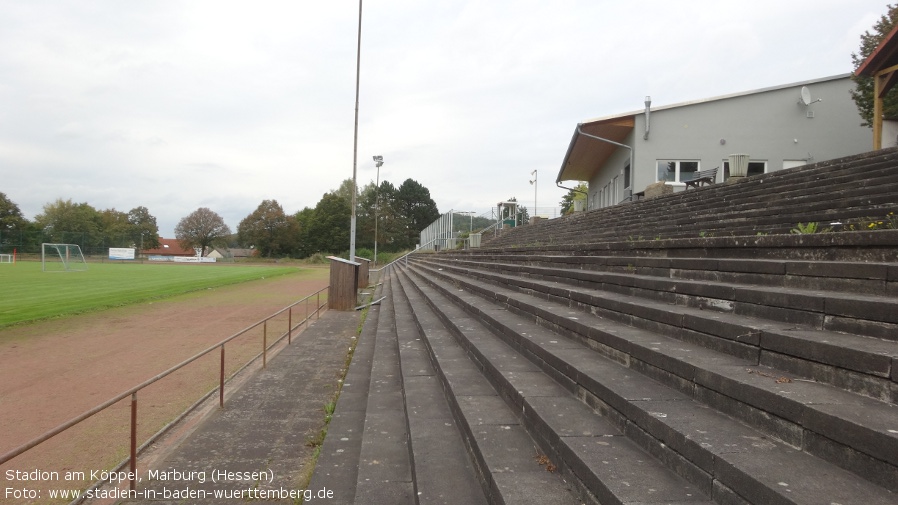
[(878, 329), (840, 269), (871, 309), (800, 317), (783, 298), (612, 468), (861, 354)]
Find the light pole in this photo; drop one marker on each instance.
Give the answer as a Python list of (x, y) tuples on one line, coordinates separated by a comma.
[(355, 138), (378, 160), (533, 183)]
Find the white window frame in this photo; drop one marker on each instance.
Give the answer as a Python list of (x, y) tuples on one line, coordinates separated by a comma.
[(677, 168)]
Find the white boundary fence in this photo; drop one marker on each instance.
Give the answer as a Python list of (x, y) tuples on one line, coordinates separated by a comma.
[(439, 235)]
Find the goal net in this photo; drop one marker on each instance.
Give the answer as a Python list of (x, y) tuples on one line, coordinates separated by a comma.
[(62, 258)]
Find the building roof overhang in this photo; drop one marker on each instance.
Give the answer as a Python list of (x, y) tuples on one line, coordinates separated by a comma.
[(585, 154)]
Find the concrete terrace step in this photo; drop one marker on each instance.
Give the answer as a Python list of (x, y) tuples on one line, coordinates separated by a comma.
[(393, 438), (385, 467), (569, 432), (855, 313), (442, 470), (365, 457), (856, 363), (872, 247), (338, 461), (816, 417), (504, 455), (652, 219), (724, 459), (880, 279)]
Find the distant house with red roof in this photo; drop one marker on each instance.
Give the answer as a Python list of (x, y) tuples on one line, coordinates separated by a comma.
[(168, 249)]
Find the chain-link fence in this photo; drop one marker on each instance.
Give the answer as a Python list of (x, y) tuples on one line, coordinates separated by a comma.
[(29, 242)]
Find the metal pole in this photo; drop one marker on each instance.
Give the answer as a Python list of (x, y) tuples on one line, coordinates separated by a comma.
[(376, 202), (289, 325), (265, 344), (221, 376), (355, 138), (133, 441), (534, 183)]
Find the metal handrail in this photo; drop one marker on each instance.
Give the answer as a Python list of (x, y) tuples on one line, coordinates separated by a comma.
[(406, 255), (134, 390)]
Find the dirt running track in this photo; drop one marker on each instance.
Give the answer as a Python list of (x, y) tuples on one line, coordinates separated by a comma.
[(53, 371)]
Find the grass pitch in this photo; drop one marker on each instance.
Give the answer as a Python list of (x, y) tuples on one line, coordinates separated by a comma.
[(28, 294)]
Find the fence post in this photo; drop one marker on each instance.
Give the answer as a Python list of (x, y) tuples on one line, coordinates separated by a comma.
[(289, 325), (134, 441), (265, 344), (221, 379), (318, 305)]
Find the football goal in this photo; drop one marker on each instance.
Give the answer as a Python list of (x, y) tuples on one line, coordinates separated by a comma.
[(62, 258), (5, 258)]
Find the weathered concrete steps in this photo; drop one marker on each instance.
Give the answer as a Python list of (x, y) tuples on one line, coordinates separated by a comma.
[(860, 186), (725, 380), (659, 352), (395, 437), (505, 402)]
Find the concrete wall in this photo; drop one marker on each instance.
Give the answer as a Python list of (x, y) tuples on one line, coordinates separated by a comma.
[(771, 126)]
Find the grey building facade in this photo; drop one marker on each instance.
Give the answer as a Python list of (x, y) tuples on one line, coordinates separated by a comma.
[(778, 127)]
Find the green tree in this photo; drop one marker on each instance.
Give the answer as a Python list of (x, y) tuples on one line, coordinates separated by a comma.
[(269, 230), (415, 205), (68, 222), (345, 190), (303, 220), (365, 212), (575, 194), (144, 231), (11, 217), (328, 229), (114, 229), (863, 94), (201, 228), (392, 225), (136, 228)]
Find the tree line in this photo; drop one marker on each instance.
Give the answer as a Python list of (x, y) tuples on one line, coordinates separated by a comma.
[(401, 212)]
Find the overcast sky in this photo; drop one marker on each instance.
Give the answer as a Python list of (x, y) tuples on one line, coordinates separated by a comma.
[(176, 105)]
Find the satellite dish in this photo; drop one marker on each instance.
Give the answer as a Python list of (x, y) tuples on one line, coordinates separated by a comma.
[(806, 97)]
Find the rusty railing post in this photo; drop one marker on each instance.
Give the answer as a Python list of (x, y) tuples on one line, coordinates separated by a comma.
[(221, 376), (289, 325), (265, 344), (133, 484), (318, 305)]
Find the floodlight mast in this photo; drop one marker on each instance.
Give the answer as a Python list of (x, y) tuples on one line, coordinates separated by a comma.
[(378, 161), (533, 183), (355, 138)]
